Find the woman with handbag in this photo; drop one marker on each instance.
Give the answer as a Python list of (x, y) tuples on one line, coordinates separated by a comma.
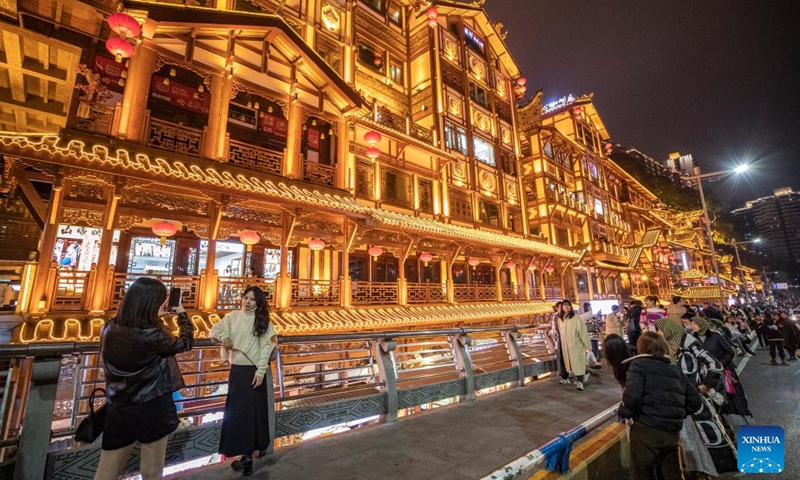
[(247, 339), (141, 373)]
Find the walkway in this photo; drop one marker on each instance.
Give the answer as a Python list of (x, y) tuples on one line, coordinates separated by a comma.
[(465, 441)]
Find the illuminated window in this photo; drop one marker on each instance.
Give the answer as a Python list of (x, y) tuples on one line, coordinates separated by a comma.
[(489, 213), (369, 56), (455, 137), (479, 95), (598, 206), (396, 72), (483, 151), (394, 14), (377, 5)]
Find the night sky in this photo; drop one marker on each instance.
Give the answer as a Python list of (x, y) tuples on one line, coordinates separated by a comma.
[(719, 79)]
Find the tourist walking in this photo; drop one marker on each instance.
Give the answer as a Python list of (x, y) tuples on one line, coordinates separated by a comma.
[(656, 400), (556, 336), (705, 445), (616, 351), (247, 339), (775, 338), (676, 309), (614, 324), (141, 373), (634, 317), (574, 342), (790, 334), (651, 314)]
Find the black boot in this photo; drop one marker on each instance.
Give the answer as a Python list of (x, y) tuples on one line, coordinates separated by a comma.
[(247, 465)]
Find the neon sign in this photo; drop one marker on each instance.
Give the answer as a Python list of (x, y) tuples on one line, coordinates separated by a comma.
[(557, 104), (474, 41)]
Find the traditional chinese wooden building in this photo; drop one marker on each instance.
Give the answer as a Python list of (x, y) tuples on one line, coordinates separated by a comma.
[(359, 160)]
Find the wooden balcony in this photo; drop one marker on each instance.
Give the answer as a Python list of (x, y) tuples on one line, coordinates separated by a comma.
[(319, 174), (231, 289), (475, 293), (190, 284), (513, 293), (175, 138), (375, 293), (255, 158), (426, 293), (315, 293), (70, 290)]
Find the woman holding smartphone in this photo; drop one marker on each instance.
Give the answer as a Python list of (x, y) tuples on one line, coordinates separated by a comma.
[(141, 373), (247, 340)]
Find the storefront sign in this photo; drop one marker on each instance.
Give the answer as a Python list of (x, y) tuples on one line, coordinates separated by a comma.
[(274, 124), (313, 139), (110, 71), (179, 95)]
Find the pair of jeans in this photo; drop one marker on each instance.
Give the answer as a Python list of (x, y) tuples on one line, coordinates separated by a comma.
[(654, 453), (596, 349), (776, 345)]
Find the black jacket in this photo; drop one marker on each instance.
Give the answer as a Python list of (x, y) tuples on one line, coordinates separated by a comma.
[(719, 348), (139, 364), (658, 394), (634, 329)]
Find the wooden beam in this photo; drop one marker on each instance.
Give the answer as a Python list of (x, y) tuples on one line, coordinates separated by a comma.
[(30, 197), (16, 79), (352, 237)]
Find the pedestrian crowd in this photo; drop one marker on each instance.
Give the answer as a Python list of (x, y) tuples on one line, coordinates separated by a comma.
[(683, 400)]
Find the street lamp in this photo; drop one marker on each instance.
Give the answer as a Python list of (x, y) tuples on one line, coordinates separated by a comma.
[(699, 177), (739, 262)]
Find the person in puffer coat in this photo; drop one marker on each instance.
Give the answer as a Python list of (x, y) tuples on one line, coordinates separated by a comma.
[(657, 397)]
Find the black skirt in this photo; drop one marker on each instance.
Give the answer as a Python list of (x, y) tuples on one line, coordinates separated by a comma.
[(245, 426)]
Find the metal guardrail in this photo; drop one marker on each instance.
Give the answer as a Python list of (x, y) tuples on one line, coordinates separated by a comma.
[(320, 382), (553, 454)]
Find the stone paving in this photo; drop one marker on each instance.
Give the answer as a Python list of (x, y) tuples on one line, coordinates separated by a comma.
[(458, 442)]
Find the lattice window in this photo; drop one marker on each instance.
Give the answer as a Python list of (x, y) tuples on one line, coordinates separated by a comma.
[(425, 196), (455, 137), (503, 111), (397, 188), (452, 77), (365, 180), (514, 220), (508, 163), (460, 205)]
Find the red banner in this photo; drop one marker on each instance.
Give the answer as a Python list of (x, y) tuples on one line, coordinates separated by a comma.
[(313, 139), (179, 95), (110, 71), (274, 124)]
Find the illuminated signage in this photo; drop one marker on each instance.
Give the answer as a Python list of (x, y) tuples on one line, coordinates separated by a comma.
[(474, 42), (560, 103)]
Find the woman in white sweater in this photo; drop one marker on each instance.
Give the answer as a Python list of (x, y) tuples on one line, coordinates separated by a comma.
[(247, 341)]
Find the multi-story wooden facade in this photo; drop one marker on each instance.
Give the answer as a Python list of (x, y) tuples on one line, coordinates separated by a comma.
[(371, 145)]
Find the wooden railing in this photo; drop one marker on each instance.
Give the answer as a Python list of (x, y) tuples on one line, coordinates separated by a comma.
[(374, 293), (315, 293), (552, 293), (190, 284), (231, 289), (99, 119), (475, 292), (176, 138), (426, 293), (70, 289), (255, 158), (513, 293), (319, 174)]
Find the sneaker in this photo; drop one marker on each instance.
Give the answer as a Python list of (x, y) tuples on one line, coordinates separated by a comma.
[(580, 386), (564, 381)]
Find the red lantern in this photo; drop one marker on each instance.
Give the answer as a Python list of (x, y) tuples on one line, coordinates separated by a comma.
[(550, 269), (425, 258), (124, 25), (521, 81), (474, 262), (249, 238), (316, 244), (164, 230), (378, 60), (522, 89), (532, 268), (432, 15), (119, 47), (511, 264), (372, 138), (375, 252), (373, 153)]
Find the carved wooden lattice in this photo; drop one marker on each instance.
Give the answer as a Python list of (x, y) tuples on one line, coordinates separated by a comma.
[(460, 205), (255, 158), (452, 77), (365, 180), (425, 293), (374, 293), (319, 174), (425, 195), (315, 293), (177, 138)]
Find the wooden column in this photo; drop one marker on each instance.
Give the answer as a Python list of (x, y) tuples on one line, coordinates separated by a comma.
[(100, 292), (134, 99), (216, 140), (345, 161), (208, 298), (345, 287), (293, 163), (41, 288), (497, 262), (284, 281)]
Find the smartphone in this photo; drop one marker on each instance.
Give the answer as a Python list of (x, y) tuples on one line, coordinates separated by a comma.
[(174, 297)]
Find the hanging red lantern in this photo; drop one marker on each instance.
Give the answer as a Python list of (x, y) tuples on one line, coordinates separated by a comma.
[(249, 238), (372, 138), (124, 25), (474, 262), (119, 47), (533, 268), (511, 264), (432, 15), (550, 269), (316, 244), (163, 230), (425, 258), (522, 89), (375, 252), (378, 60), (521, 81), (373, 153)]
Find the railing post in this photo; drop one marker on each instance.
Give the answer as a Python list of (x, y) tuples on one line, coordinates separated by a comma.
[(387, 370), (271, 415), (51, 286), (463, 360), (88, 288), (515, 354), (37, 420)]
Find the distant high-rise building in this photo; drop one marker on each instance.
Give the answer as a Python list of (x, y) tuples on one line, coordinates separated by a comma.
[(776, 221), (682, 164)]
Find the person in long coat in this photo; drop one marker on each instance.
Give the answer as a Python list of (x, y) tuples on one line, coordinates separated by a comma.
[(574, 341)]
